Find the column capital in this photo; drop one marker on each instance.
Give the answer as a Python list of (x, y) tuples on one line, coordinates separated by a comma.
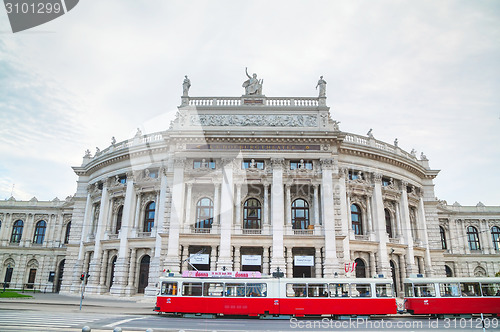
[(377, 177), (179, 162), (278, 162), (326, 163)]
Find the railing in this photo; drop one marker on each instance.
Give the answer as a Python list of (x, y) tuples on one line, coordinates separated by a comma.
[(138, 140), (252, 231), (143, 234), (363, 140), (238, 101), (195, 230), (303, 232), (362, 237)]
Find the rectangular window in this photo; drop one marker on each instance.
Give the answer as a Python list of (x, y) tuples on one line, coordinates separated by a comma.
[(233, 290), (168, 288), (360, 290), (296, 290), (339, 290), (317, 290), (424, 290), (383, 290), (253, 164), (204, 163), (256, 290), (191, 289), (300, 164), (213, 289), (491, 289), (409, 290), (470, 289), (449, 289)]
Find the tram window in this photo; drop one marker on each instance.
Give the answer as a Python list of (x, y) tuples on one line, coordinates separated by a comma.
[(168, 288), (235, 290), (213, 289), (258, 290), (408, 290), (360, 290), (383, 290), (191, 289), (470, 289), (296, 290), (491, 289), (317, 290), (424, 290), (339, 290), (447, 290)]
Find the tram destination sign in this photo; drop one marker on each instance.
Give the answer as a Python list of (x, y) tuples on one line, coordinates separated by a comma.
[(221, 274), (254, 147)]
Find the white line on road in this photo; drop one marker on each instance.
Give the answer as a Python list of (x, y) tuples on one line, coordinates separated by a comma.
[(123, 321)]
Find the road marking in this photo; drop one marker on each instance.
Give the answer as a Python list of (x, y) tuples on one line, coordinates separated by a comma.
[(123, 322)]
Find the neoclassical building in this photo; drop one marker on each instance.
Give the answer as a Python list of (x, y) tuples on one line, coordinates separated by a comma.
[(249, 183)]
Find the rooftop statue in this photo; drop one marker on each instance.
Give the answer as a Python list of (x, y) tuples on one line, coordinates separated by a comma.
[(322, 87), (185, 86), (253, 86)]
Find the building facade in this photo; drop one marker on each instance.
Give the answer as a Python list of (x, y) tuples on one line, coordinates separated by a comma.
[(249, 183)]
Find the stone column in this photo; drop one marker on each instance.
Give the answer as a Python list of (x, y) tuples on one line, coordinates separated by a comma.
[(237, 259), (316, 205), (95, 265), (265, 260), (104, 268), (26, 236), (288, 206), (345, 215), (216, 204), (237, 203), (121, 265), (381, 233), (398, 221), (131, 289), (172, 260), (373, 267), (213, 258), (331, 264), (408, 239), (277, 214), (317, 262), (289, 263), (402, 271), (6, 225), (185, 258), (188, 205), (424, 236), (155, 266), (226, 217), (265, 213)]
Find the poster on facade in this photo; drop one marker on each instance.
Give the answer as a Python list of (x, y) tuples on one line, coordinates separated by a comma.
[(199, 259), (303, 260), (251, 260)]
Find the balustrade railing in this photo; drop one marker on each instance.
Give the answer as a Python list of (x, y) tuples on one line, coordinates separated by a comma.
[(254, 100), (362, 140)]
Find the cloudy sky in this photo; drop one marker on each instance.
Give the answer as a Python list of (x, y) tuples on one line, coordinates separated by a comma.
[(426, 72)]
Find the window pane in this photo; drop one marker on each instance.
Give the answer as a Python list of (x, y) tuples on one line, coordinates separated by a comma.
[(296, 290), (424, 290), (339, 290), (360, 290), (213, 289), (256, 289), (235, 290), (449, 289), (470, 289), (191, 289), (491, 289), (383, 290), (169, 288), (317, 290)]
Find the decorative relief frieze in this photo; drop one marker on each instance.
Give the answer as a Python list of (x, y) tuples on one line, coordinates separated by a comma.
[(242, 120), (19, 216), (39, 217)]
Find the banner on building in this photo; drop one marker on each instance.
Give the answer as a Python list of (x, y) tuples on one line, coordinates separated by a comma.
[(251, 260), (303, 260), (199, 259)]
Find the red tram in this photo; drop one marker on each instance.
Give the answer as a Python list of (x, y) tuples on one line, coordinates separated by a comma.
[(441, 296), (237, 293)]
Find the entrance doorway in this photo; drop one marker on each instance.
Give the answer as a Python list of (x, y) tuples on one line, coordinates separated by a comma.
[(394, 279), (143, 274), (31, 278), (112, 274), (8, 277), (60, 276), (302, 271), (360, 268)]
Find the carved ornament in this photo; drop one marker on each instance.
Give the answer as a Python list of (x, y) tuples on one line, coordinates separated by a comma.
[(224, 120)]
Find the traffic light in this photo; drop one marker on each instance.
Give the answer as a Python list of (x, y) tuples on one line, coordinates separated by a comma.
[(82, 277)]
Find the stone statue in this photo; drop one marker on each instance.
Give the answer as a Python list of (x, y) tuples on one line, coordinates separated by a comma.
[(322, 87), (369, 134), (253, 86), (138, 133), (185, 86), (113, 140), (87, 154), (396, 142), (423, 156), (413, 153)]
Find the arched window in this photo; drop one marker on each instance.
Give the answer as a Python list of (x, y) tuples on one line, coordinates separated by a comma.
[(360, 268), (251, 214), (495, 234), (300, 214), (204, 213), (357, 225), (443, 238), (17, 232), (66, 236), (149, 217), (388, 222), (473, 238), (119, 215), (40, 228)]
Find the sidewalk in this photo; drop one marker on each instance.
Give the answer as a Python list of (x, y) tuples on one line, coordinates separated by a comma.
[(135, 305)]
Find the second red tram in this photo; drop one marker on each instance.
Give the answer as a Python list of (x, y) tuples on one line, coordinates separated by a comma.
[(275, 296), (441, 296)]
